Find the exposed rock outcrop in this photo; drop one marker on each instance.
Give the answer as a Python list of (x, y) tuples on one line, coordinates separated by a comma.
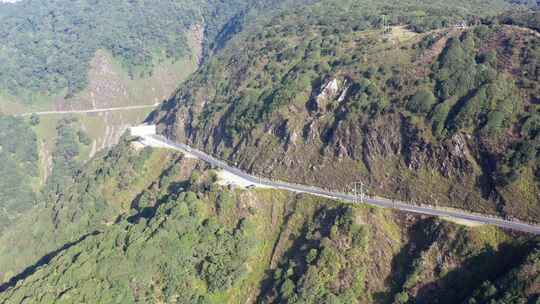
[(332, 91)]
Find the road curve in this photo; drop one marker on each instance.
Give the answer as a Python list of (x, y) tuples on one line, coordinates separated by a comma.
[(162, 142), (88, 111)]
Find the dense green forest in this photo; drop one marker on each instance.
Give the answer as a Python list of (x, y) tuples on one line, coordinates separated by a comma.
[(65, 159), (19, 163), (22, 184), (48, 45), (150, 226), (445, 98)]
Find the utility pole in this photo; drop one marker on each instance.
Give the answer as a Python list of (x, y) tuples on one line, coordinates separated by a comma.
[(386, 26), (362, 193), (355, 194)]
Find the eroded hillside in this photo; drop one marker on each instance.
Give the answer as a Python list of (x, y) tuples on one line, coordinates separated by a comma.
[(428, 111)]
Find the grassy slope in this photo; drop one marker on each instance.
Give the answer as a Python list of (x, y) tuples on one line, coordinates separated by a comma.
[(110, 86)]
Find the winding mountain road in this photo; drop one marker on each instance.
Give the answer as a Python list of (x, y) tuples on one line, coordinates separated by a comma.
[(162, 142), (89, 111)]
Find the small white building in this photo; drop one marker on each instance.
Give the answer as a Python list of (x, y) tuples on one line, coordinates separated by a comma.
[(143, 130), (461, 25)]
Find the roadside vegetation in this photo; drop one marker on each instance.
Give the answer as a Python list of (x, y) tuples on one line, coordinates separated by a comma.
[(143, 225)]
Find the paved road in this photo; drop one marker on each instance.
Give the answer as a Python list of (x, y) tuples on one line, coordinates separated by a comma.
[(160, 141), (89, 111)]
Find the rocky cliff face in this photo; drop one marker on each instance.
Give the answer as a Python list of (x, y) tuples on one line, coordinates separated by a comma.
[(389, 153), (355, 121)]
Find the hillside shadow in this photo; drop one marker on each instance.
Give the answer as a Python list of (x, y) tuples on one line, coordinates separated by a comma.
[(165, 106), (298, 250), (402, 263), (459, 283), (149, 211), (30, 270)]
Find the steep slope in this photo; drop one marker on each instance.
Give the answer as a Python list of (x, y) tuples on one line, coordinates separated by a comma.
[(125, 234), (18, 169), (314, 93), (141, 227), (66, 35), (70, 208), (38, 155), (426, 111)]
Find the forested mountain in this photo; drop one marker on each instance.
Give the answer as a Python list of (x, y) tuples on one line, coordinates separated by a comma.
[(150, 226), (433, 102), (88, 54), (429, 101), (72, 55), (48, 45)]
